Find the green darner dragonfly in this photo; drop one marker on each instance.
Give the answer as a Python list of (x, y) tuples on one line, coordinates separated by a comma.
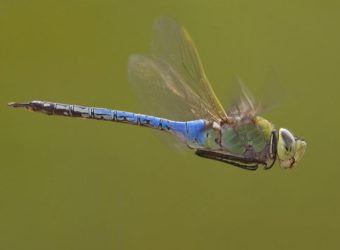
[(174, 74)]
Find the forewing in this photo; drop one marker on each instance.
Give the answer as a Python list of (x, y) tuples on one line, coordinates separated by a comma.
[(244, 105), (271, 94), (173, 44)]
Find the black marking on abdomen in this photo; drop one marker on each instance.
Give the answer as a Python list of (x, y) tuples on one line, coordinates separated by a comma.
[(61, 109)]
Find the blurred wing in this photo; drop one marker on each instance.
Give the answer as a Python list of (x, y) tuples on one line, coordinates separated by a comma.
[(271, 94), (163, 91), (172, 44), (245, 106)]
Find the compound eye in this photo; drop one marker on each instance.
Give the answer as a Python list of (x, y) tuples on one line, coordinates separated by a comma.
[(287, 138), (286, 145)]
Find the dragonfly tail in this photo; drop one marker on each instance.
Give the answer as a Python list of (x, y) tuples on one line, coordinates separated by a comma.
[(60, 109), (21, 105)]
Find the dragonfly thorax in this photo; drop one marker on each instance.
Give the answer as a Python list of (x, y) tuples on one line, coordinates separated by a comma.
[(248, 139)]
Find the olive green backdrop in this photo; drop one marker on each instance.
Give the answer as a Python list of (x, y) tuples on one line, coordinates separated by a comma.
[(79, 184)]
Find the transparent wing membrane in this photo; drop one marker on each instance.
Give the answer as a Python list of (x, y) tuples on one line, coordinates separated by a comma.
[(273, 92), (162, 90), (171, 82), (244, 105), (268, 96)]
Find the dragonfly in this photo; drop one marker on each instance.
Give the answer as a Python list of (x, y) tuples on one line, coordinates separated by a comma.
[(172, 82)]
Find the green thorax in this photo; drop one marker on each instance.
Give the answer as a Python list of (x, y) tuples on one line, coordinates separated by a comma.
[(251, 136)]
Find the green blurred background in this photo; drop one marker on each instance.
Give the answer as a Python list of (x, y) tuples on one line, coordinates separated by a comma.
[(78, 184)]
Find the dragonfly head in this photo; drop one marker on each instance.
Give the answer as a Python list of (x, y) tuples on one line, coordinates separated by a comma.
[(289, 149)]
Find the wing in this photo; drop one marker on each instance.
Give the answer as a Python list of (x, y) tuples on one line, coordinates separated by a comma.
[(244, 107), (163, 91), (174, 73), (270, 95)]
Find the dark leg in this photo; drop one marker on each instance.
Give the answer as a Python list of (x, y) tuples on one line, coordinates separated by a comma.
[(273, 150), (232, 160)]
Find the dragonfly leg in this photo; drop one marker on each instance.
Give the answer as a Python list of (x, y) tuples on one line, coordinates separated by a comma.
[(232, 160), (273, 150)]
